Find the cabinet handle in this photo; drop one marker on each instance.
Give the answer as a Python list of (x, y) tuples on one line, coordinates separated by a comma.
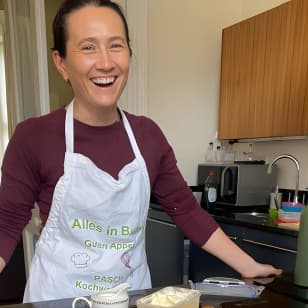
[(233, 238), (269, 246), (162, 222)]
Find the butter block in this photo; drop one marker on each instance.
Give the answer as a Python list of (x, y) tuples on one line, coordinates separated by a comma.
[(173, 297)]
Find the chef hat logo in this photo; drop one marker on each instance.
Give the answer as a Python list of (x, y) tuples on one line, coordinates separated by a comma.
[(80, 259)]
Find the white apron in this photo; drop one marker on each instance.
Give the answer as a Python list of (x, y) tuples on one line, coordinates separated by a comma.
[(94, 237)]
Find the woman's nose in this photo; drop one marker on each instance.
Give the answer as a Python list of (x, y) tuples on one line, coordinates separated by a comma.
[(104, 60)]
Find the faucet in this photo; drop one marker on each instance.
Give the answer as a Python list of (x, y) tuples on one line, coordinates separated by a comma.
[(295, 161)]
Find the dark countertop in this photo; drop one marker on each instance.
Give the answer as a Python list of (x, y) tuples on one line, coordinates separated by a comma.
[(273, 296), (232, 215), (261, 223)]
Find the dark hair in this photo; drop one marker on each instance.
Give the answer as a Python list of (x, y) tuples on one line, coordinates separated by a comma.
[(59, 26)]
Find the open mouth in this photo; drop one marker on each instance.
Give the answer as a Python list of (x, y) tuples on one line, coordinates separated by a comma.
[(104, 82)]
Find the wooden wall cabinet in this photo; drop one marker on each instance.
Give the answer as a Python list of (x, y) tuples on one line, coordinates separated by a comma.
[(264, 75)]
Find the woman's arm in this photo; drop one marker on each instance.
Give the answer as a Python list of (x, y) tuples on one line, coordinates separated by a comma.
[(226, 250), (2, 264)]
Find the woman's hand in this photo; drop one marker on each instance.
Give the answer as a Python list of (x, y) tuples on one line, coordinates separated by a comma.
[(2, 264), (261, 270), (226, 250)]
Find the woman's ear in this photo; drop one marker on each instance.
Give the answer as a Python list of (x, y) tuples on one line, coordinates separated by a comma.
[(60, 64)]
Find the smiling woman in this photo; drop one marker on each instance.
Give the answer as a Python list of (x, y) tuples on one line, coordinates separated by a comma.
[(95, 162)]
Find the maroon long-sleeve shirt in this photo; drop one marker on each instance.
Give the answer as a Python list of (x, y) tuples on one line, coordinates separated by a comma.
[(34, 159)]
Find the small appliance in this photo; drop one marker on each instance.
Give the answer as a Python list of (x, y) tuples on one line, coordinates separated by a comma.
[(240, 184)]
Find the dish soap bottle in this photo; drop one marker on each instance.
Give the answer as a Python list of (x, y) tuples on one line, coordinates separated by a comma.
[(210, 192)]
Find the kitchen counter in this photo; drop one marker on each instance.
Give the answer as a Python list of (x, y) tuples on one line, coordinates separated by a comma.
[(227, 214), (269, 298), (261, 222)]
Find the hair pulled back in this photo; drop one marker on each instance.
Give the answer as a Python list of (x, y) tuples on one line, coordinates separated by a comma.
[(59, 26)]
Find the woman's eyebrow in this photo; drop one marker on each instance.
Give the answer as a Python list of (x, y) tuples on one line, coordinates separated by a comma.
[(96, 40), (87, 39)]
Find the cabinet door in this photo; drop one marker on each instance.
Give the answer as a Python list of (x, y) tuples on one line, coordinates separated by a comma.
[(264, 74), (296, 28), (271, 248), (203, 264), (243, 90), (268, 94), (300, 86), (234, 103), (165, 253)]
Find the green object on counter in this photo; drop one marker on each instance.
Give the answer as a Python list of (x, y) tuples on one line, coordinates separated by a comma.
[(301, 265), (273, 213)]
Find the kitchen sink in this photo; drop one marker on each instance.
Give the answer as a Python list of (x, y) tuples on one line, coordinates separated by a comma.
[(253, 217)]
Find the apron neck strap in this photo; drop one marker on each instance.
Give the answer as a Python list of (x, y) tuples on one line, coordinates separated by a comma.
[(130, 134), (69, 127), (69, 130)]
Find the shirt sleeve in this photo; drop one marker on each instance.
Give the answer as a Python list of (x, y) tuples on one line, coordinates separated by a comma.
[(172, 191), (17, 191)]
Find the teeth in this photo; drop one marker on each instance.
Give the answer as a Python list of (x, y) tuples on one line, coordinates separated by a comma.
[(104, 81)]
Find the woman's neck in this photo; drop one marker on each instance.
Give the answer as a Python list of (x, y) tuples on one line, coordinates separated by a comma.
[(100, 116)]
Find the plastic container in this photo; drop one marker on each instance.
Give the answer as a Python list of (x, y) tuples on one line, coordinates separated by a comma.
[(174, 297), (210, 154), (292, 207), (236, 290), (285, 216), (220, 154)]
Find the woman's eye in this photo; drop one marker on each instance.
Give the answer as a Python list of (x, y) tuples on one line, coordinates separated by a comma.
[(117, 46), (88, 48)]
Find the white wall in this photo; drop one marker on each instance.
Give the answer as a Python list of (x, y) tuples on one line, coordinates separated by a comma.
[(184, 65), (183, 79)]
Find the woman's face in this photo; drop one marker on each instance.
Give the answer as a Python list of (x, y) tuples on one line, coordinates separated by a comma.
[(97, 58)]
